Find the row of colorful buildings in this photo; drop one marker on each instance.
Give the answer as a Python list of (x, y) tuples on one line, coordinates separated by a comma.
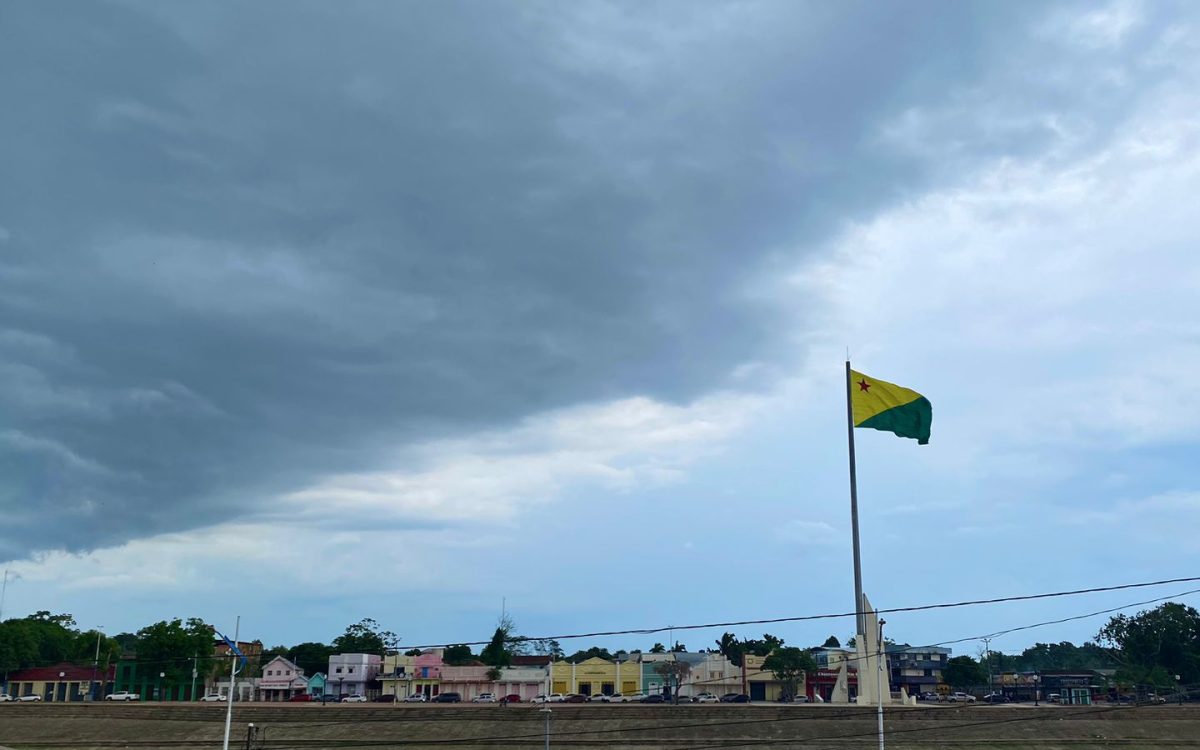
[(398, 676)]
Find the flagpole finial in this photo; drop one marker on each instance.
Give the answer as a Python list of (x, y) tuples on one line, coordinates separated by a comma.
[(847, 354)]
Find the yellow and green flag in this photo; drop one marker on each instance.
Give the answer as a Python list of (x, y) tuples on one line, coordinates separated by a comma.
[(881, 405)]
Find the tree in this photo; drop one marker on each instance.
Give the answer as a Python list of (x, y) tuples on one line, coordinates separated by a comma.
[(731, 648), (169, 646), (413, 652), (595, 652), (789, 665), (41, 639), (494, 674), (679, 648), (83, 650), (365, 637), (832, 642), (457, 656), (963, 672), (1157, 644), (270, 653), (514, 643), (658, 648), (311, 657), (673, 673), (495, 654), (734, 649)]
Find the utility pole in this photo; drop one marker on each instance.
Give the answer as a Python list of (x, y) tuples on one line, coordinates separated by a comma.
[(96, 663), (192, 694), (547, 712), (987, 655)]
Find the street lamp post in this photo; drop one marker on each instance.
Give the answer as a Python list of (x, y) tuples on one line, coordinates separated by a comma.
[(61, 675), (161, 675)]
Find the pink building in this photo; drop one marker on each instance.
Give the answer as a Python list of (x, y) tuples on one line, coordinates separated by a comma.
[(281, 679), (467, 681)]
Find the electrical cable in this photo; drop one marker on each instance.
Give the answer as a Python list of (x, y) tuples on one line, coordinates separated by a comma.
[(828, 616)]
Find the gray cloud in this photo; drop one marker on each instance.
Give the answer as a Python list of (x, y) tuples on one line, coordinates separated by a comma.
[(247, 246)]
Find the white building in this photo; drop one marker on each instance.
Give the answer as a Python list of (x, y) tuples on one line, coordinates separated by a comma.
[(351, 674)]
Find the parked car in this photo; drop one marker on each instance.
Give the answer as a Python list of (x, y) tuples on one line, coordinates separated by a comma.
[(385, 698), (122, 695), (212, 698), (735, 698), (511, 698), (447, 698), (961, 698), (356, 698), (574, 698), (539, 698), (626, 698), (707, 698), (995, 698), (1054, 698), (1155, 699), (30, 699), (654, 698), (928, 696), (5, 697), (684, 699), (301, 698), (484, 698), (599, 698), (416, 698), (556, 698), (330, 698)]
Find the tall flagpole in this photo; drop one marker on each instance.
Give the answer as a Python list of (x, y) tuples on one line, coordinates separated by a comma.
[(859, 619)]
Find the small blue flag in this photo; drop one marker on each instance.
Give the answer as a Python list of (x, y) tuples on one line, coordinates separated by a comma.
[(232, 647)]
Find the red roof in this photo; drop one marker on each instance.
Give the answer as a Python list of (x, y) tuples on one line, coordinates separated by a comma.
[(71, 673), (536, 660)]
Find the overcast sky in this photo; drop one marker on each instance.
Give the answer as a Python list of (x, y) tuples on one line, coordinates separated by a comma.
[(316, 311)]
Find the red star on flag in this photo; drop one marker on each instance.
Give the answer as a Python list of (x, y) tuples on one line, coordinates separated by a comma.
[(863, 385)]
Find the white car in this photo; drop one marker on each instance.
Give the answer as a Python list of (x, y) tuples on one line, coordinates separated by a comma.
[(707, 698), (212, 698), (5, 697), (416, 698), (30, 698), (599, 698), (484, 698), (354, 699), (628, 698), (961, 698), (123, 695), (556, 698)]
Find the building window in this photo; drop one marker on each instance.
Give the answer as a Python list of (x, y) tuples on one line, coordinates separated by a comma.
[(339, 670), (351, 670)]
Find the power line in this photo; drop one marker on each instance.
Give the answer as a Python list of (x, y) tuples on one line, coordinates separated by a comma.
[(828, 616), (1031, 626)]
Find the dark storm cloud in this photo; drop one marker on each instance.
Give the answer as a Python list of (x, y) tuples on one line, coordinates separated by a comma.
[(244, 246)]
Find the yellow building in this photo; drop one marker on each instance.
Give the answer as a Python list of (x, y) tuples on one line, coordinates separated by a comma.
[(595, 676)]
